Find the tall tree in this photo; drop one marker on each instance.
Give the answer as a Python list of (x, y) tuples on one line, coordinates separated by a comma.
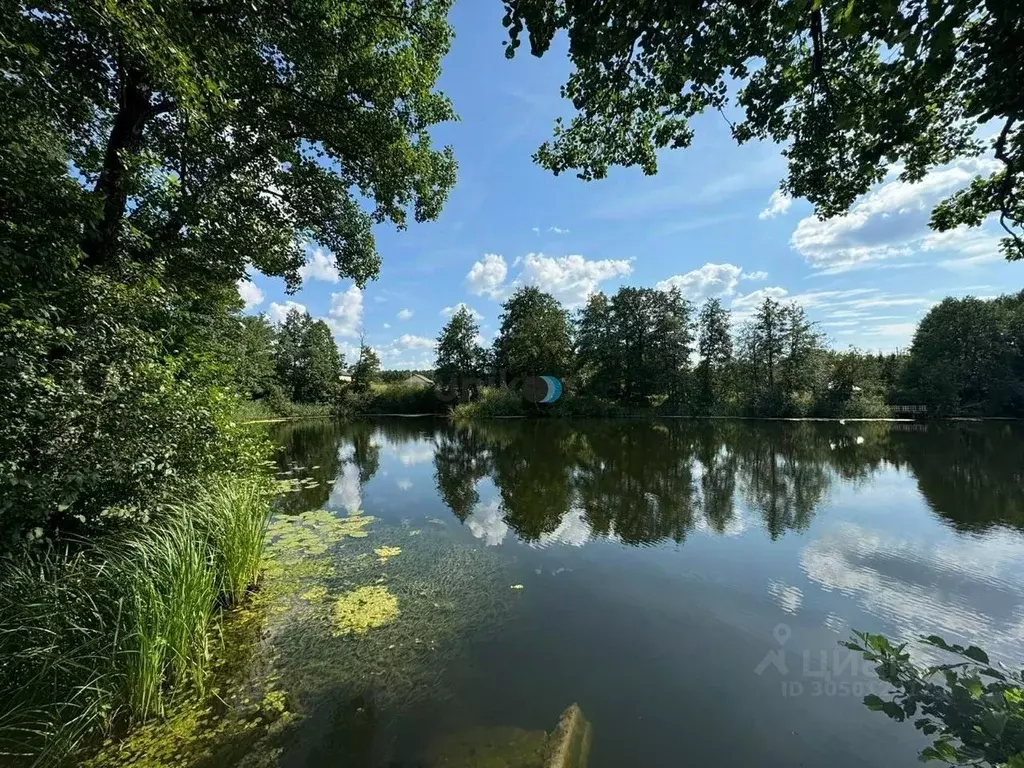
[(714, 345), (366, 370), (460, 358), (598, 352), (321, 365), (850, 88), (195, 128), (966, 356), (673, 345), (535, 336), (289, 355), (253, 357)]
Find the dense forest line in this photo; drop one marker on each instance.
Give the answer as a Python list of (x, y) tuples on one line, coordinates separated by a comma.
[(647, 349)]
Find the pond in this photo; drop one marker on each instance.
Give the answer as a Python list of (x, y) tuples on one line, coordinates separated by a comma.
[(686, 583)]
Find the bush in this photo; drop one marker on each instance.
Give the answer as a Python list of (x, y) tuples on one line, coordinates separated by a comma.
[(975, 712), (111, 631), (100, 415), (394, 398)]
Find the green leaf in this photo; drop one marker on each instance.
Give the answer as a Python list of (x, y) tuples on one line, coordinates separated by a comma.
[(974, 652)]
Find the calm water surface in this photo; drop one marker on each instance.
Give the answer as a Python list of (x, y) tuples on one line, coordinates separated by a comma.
[(688, 582)]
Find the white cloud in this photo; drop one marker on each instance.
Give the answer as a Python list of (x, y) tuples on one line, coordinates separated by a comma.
[(778, 204), (250, 293), (558, 230), (487, 277), (405, 314), (346, 311), (278, 312), (387, 325), (974, 247), (709, 280), (570, 279), (408, 341), (487, 523), (889, 222), (320, 266), (449, 311), (758, 275), (408, 352), (404, 485)]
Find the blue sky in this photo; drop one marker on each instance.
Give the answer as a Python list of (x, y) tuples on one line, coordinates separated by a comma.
[(710, 222)]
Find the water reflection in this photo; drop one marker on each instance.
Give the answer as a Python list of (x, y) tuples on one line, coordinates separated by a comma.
[(646, 482)]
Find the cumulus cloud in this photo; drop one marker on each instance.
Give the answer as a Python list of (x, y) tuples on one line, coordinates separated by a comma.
[(250, 293), (276, 313), (405, 314), (408, 341), (778, 204), (449, 311), (408, 351), (570, 279), (558, 231), (346, 311), (319, 266), (758, 275), (387, 325), (709, 280), (889, 222), (487, 277)]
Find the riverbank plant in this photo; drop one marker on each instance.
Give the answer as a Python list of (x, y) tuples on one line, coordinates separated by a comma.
[(101, 634), (972, 710)]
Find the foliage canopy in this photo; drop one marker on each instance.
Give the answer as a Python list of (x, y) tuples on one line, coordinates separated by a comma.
[(849, 87)]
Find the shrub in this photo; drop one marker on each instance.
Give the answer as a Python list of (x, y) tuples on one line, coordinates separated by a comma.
[(975, 712)]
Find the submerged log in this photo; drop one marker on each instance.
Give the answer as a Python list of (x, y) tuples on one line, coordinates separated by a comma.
[(504, 747), (568, 746)]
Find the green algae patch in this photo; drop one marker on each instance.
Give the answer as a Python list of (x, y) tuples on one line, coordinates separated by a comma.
[(363, 609), (386, 553), (319, 592)]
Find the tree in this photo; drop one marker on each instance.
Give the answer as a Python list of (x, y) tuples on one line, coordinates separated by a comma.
[(254, 370), (535, 337), (849, 88), (714, 345), (149, 153), (321, 365), (366, 370), (289, 356), (966, 355), (460, 358), (598, 355), (195, 128)]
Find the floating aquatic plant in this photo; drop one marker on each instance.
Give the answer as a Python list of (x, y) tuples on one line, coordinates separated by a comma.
[(386, 553), (364, 609)]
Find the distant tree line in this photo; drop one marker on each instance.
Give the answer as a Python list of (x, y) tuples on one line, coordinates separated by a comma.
[(297, 361), (643, 347)]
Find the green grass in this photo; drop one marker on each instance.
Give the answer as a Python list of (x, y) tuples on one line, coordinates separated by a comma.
[(112, 632)]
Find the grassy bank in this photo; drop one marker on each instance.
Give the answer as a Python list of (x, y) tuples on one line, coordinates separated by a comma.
[(104, 634)]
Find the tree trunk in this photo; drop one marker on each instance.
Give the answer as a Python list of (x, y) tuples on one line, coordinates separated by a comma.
[(134, 111)]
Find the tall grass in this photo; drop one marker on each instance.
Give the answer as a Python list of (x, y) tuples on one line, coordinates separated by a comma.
[(112, 632)]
